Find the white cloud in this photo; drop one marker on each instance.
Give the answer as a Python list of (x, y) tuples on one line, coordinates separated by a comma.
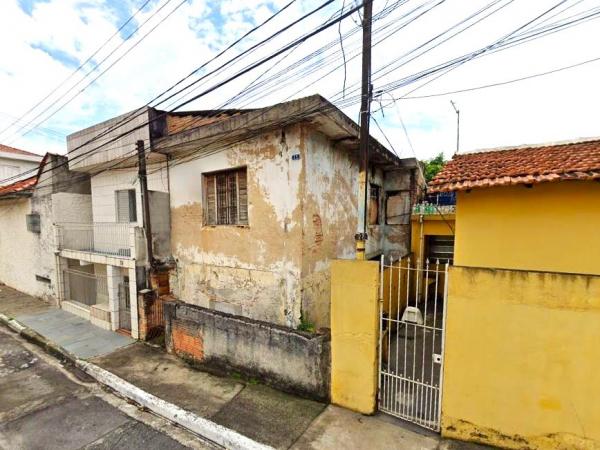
[(559, 106)]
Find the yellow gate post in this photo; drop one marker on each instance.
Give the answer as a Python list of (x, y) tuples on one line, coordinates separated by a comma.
[(354, 334)]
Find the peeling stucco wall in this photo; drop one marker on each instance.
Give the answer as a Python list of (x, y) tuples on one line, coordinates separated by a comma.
[(302, 206), (330, 220), (251, 270), (18, 248)]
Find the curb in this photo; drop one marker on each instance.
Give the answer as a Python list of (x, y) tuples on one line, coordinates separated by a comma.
[(37, 339), (205, 428)]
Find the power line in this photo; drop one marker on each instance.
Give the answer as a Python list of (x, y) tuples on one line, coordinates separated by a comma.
[(349, 102), (105, 70), (81, 66), (501, 83), (247, 69), (128, 119)]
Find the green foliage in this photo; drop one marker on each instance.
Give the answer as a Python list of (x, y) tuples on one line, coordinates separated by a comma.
[(433, 166), (306, 325)]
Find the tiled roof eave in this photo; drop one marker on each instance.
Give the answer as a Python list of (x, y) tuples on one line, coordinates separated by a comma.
[(465, 185)]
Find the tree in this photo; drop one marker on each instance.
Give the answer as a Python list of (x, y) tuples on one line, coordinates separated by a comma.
[(432, 166)]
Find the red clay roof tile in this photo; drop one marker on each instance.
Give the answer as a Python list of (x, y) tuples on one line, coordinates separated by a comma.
[(520, 165), (19, 186)]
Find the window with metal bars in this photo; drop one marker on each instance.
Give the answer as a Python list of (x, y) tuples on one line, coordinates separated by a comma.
[(226, 198)]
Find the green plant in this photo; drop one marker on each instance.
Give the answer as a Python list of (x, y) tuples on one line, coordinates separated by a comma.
[(306, 325), (432, 166)]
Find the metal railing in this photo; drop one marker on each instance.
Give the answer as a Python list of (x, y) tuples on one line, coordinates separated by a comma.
[(432, 208), (412, 317), (84, 287), (99, 237)]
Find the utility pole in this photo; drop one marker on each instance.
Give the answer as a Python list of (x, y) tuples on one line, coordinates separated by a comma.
[(145, 201), (365, 117), (457, 111)]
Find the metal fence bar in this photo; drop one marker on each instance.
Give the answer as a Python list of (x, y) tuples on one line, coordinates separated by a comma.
[(99, 237), (411, 375), (84, 287)]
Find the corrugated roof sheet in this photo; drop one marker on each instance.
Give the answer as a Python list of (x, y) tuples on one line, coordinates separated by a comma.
[(521, 165)]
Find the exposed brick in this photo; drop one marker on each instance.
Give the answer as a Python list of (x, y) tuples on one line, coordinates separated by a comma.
[(187, 342)]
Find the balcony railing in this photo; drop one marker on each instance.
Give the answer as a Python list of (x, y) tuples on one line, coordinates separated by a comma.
[(100, 237), (432, 209)]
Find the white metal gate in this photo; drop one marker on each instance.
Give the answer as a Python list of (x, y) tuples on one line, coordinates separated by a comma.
[(411, 339)]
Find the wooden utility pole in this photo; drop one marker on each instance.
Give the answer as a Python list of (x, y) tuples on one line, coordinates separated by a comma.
[(145, 200), (365, 117)]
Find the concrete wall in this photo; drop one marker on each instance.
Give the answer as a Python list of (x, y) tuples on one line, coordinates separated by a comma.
[(426, 225), (521, 367), (549, 227), (330, 220), (83, 156), (18, 248), (106, 183), (160, 219), (288, 359), (354, 334), (400, 189), (68, 207), (251, 270), (44, 260)]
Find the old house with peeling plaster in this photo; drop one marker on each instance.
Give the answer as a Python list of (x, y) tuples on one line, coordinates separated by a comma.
[(262, 200), (246, 209)]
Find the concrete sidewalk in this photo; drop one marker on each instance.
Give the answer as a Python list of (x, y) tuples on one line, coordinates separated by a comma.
[(256, 411), (261, 413), (76, 335)]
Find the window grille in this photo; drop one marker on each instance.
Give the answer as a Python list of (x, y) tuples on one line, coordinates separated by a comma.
[(226, 198)]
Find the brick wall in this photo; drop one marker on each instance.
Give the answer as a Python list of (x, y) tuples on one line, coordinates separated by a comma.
[(187, 341)]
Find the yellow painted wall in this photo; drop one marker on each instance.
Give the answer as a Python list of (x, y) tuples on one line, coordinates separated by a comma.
[(522, 366), (432, 225), (354, 334), (550, 227)]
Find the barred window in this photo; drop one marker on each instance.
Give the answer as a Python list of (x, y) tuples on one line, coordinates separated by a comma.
[(226, 198)]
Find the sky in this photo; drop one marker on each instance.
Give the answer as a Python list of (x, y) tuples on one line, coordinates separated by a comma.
[(126, 62)]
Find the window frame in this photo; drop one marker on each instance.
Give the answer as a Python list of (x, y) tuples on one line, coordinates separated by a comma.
[(377, 190), (131, 200), (217, 215), (34, 223)]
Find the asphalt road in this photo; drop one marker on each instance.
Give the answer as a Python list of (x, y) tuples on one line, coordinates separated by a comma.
[(45, 406)]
